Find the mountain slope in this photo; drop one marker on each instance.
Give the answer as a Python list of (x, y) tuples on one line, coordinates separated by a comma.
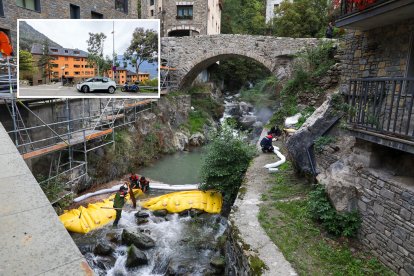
[(29, 36)]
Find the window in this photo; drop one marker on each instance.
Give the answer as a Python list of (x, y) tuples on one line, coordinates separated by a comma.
[(29, 4), (66, 51), (77, 73), (76, 66), (1, 8), (275, 6), (121, 5), (66, 73), (75, 52), (53, 65), (76, 59), (74, 12), (54, 50), (152, 12), (96, 15), (152, 2), (67, 65), (184, 12)]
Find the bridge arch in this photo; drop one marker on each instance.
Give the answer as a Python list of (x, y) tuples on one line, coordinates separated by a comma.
[(191, 54)]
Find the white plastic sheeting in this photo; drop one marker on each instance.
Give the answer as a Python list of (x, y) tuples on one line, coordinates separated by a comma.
[(158, 186), (293, 120)]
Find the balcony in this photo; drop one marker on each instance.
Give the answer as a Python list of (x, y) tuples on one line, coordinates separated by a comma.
[(382, 111), (369, 14)]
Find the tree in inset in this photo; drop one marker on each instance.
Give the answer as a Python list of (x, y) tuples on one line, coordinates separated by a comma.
[(45, 61), (95, 50)]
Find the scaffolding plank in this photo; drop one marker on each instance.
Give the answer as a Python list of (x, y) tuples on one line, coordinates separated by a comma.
[(77, 139), (144, 102)]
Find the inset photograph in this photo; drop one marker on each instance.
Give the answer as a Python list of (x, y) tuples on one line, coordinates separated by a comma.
[(60, 58)]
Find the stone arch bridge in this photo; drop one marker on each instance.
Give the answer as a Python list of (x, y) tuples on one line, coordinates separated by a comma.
[(190, 55)]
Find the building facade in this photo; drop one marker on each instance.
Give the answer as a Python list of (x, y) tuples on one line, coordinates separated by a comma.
[(186, 18), (11, 10), (271, 5), (377, 80), (69, 64), (123, 76)]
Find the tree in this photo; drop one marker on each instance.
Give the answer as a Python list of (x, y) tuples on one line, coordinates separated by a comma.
[(300, 18), (95, 49), (243, 17), (225, 164), (26, 64), (45, 61), (143, 47)]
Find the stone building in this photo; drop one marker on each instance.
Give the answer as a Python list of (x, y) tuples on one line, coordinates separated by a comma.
[(271, 5), (186, 18), (375, 175), (11, 10)]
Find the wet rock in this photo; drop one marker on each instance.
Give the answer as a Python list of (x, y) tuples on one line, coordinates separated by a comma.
[(197, 139), (135, 257), (195, 212), (158, 219), (180, 141), (218, 262), (141, 214), (180, 267), (233, 109), (140, 240), (160, 213), (105, 263), (140, 221), (245, 107), (103, 248), (85, 248), (247, 121)]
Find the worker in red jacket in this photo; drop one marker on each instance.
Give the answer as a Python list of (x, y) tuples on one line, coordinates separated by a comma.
[(133, 180)]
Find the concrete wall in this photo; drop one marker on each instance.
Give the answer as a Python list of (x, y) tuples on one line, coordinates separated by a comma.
[(61, 9)]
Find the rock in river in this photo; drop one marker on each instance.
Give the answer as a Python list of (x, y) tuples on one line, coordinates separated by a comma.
[(140, 240), (103, 248), (135, 257)]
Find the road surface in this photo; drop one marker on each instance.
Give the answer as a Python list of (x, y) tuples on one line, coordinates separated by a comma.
[(59, 91)]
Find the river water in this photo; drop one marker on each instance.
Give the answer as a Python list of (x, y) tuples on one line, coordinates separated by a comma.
[(178, 168)]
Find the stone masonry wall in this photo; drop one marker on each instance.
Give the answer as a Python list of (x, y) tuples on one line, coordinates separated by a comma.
[(373, 180), (61, 9), (380, 52)]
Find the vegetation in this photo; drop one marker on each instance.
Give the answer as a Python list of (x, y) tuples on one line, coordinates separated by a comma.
[(243, 17), (196, 121), (286, 218), (96, 43), (150, 82), (227, 160), (322, 141), (300, 18), (143, 47), (238, 72), (338, 224), (308, 69), (26, 64), (54, 189), (264, 93)]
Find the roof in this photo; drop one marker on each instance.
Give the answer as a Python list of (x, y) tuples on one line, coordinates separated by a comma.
[(37, 49)]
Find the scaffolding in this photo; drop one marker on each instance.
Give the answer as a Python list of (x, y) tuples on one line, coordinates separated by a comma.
[(166, 75), (70, 134)]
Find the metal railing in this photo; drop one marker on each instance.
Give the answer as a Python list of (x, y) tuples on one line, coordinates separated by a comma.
[(8, 77), (351, 6), (383, 105)]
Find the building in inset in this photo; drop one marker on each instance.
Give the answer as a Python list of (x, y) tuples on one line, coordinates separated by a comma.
[(123, 76), (68, 63), (11, 10), (271, 5), (199, 17)]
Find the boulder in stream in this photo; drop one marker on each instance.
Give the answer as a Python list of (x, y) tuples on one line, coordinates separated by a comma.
[(141, 214), (160, 213), (247, 120), (218, 262), (103, 248), (197, 139), (140, 240), (135, 257)]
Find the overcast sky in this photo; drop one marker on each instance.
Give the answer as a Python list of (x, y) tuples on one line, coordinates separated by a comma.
[(75, 33)]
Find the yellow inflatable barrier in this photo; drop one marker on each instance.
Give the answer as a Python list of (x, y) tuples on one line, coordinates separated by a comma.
[(83, 220), (209, 201), (96, 215)]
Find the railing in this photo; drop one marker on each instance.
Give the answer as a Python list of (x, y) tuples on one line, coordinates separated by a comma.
[(383, 105), (353, 6), (8, 79)]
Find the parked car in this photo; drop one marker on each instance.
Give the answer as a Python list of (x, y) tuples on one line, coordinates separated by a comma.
[(97, 83)]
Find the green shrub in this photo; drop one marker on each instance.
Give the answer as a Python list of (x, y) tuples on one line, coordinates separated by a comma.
[(338, 224), (322, 141), (227, 160), (196, 121)]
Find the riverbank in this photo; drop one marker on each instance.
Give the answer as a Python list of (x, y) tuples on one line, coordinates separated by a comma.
[(263, 256)]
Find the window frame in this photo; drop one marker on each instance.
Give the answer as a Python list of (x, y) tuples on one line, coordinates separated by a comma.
[(185, 12), (1, 9), (37, 6), (124, 4), (76, 8), (100, 15)]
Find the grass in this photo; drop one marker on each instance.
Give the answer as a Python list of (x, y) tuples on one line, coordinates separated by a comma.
[(302, 242), (196, 121)]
